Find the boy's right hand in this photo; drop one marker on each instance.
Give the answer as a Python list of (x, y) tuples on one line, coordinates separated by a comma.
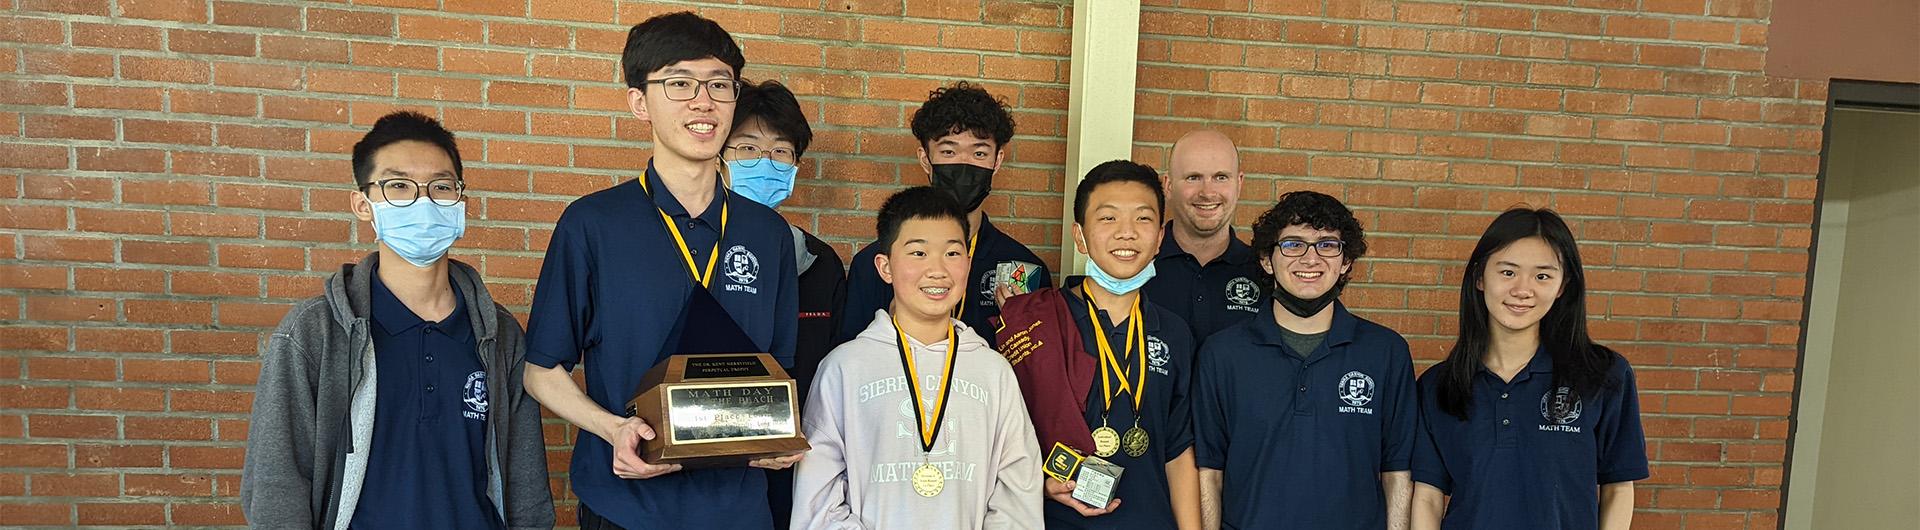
[(1062, 492), (626, 451)]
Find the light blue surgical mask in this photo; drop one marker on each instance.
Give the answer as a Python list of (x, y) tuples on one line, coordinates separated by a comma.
[(420, 232), (1116, 285), (764, 181)]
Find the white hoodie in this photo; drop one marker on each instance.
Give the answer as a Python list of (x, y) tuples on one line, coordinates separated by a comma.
[(866, 445)]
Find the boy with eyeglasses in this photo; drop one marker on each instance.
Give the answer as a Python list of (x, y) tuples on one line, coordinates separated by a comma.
[(394, 399), (1304, 415), (670, 262), (770, 134)]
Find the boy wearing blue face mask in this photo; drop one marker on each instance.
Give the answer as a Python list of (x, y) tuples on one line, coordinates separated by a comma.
[(770, 134), (394, 399), (1104, 370)]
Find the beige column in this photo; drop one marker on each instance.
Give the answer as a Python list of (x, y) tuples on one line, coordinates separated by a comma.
[(1106, 51)]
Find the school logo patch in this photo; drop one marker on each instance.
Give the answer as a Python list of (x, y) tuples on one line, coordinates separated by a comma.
[(1560, 407), (741, 266), (474, 394), (1242, 294), (1157, 355), (1356, 389), (988, 283)]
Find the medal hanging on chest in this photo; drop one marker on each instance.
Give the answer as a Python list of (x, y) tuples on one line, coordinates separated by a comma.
[(928, 479), (1106, 441)]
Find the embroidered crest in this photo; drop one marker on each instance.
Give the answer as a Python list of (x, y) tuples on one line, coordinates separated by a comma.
[(740, 265), (1242, 291), (474, 394), (1356, 389), (1560, 407)]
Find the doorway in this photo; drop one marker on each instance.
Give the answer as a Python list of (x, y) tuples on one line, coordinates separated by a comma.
[(1855, 446)]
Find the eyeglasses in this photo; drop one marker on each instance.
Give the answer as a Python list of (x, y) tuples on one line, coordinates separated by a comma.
[(405, 192), (749, 155), (1326, 248), (722, 90)]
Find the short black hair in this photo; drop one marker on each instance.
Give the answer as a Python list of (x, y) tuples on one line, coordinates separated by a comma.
[(400, 127), (1313, 209), (675, 37), (963, 107), (919, 202), (773, 104), (1113, 171)]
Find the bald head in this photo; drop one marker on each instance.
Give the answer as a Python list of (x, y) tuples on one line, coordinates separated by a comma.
[(1203, 183), (1205, 150)]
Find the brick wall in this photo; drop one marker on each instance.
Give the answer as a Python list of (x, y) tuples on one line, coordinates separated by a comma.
[(173, 174), (1687, 175)]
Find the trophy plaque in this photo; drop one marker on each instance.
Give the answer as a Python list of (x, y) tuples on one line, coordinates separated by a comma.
[(718, 410)]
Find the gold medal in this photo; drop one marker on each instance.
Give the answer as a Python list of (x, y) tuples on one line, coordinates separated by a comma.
[(928, 481), (1135, 441), (1106, 441)]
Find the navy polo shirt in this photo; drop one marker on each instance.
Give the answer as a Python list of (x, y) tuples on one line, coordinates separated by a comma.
[(611, 290), (1302, 441), (1210, 296), (867, 293), (1165, 413), (427, 467), (1530, 455)]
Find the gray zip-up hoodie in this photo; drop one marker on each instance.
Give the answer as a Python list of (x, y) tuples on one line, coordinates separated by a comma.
[(313, 408)]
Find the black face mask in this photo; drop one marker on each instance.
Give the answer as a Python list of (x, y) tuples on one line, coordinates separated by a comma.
[(1304, 308), (968, 183)]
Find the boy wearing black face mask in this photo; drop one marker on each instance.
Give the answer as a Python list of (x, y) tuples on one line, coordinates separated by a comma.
[(1332, 390), (963, 133)]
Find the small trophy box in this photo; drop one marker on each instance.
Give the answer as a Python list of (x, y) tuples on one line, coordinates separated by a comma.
[(718, 410), (1093, 477)]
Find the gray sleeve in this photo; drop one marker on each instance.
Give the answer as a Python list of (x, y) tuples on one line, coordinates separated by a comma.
[(820, 479), (529, 497), (1018, 494), (276, 485)]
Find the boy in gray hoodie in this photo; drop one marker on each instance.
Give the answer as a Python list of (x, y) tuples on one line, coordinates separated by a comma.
[(917, 422), (393, 399)]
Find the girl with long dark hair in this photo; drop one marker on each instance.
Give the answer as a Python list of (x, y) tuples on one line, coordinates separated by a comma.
[(1528, 424)]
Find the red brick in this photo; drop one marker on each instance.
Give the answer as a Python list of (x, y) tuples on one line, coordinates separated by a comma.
[(124, 513), (306, 49), (72, 426), (120, 399)]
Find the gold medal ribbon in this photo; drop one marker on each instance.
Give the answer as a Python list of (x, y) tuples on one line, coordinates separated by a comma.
[(928, 431), (1109, 363), (681, 241)]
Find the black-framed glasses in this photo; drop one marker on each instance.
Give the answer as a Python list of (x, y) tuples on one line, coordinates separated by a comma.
[(722, 89), (1326, 248), (404, 192), (749, 155)]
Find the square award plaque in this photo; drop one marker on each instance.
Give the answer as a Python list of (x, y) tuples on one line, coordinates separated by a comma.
[(718, 410)]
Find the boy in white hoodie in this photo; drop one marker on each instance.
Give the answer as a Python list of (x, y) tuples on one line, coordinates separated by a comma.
[(949, 447)]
